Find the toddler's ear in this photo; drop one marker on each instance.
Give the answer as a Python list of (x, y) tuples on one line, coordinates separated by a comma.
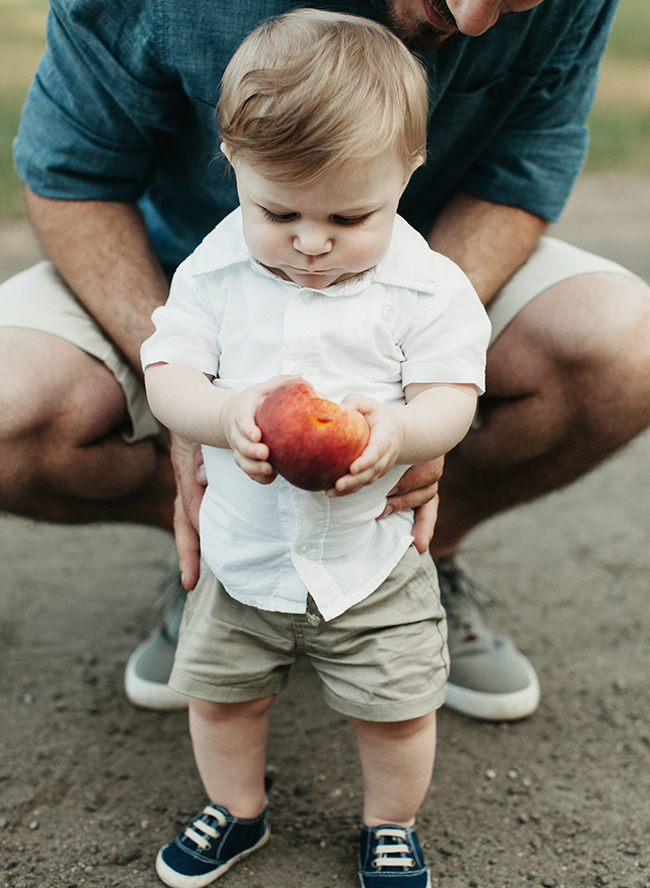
[(226, 151), (417, 162)]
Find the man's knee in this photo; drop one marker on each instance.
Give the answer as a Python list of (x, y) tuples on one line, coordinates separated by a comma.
[(55, 402), (592, 321), (585, 343), (51, 386)]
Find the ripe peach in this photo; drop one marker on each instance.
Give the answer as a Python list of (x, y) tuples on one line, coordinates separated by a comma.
[(312, 441)]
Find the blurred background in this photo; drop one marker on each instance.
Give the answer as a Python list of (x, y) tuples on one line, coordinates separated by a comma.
[(620, 119)]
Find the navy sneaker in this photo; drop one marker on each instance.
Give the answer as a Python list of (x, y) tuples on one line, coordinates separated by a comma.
[(211, 844), (391, 857)]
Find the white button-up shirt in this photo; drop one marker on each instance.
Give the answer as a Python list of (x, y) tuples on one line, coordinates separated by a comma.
[(413, 318)]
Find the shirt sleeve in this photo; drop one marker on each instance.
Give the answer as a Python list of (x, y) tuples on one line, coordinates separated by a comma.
[(99, 107), (447, 343), (533, 160), (187, 331)]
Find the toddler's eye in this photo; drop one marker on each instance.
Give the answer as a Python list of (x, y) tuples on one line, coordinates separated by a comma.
[(277, 217), (351, 220)]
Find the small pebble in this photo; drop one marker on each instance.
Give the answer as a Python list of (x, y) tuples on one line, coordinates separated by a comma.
[(128, 855), (490, 774), (33, 824), (549, 882), (513, 773)]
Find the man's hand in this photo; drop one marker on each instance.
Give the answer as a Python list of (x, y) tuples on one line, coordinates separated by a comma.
[(189, 472), (418, 489)]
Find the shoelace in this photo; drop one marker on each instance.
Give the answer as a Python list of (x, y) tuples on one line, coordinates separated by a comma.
[(459, 592), (205, 828), (392, 854), (170, 603)]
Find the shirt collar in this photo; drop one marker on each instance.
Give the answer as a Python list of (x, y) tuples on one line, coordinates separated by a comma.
[(349, 287), (408, 262)]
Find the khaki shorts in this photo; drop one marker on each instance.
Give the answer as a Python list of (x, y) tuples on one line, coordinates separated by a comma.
[(385, 659), (38, 299)]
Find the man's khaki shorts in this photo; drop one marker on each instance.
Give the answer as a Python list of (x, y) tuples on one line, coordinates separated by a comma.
[(38, 299), (383, 660)]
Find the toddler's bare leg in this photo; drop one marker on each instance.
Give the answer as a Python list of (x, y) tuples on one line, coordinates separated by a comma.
[(397, 763), (230, 749)]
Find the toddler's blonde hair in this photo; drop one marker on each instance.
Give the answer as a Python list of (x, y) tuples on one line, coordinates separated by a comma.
[(311, 90)]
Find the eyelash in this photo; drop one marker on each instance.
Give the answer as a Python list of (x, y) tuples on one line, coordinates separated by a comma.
[(277, 217), (340, 220), (358, 220)]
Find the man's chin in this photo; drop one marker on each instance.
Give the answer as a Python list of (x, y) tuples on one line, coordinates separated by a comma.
[(420, 36)]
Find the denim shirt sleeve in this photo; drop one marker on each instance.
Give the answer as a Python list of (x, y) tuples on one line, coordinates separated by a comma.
[(533, 159), (100, 106)]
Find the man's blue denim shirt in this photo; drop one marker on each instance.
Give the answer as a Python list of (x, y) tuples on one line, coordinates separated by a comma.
[(122, 109)]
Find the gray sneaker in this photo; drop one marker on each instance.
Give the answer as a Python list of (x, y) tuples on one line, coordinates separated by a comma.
[(150, 664), (489, 678)]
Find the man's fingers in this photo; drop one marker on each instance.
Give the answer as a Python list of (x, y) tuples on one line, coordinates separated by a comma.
[(187, 545), (425, 523), (424, 475), (187, 461), (411, 500)]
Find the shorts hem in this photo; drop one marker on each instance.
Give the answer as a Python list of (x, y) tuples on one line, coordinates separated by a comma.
[(214, 693), (387, 712)]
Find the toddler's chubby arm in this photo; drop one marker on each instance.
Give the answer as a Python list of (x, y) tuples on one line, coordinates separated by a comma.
[(185, 401), (434, 419)]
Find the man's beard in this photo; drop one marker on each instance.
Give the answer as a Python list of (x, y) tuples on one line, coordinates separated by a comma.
[(421, 36)]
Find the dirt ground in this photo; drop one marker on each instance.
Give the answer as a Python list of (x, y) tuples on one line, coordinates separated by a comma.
[(90, 787)]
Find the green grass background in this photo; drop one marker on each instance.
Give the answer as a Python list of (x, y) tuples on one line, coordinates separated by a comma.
[(620, 119)]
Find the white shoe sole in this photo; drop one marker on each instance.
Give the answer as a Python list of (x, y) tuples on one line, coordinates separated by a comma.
[(149, 694), (497, 707), (178, 880)]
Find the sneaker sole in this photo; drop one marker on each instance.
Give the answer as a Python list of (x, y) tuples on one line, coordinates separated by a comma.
[(497, 707), (178, 880), (149, 694)]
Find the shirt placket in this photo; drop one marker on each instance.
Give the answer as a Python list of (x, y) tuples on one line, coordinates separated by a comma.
[(302, 335), (301, 355)]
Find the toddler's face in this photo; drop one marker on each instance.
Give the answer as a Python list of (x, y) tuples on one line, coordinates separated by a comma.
[(324, 232)]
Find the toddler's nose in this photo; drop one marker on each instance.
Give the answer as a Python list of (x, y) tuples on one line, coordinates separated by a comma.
[(312, 242)]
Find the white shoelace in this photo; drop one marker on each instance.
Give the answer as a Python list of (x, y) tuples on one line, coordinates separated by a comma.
[(392, 854), (207, 830)]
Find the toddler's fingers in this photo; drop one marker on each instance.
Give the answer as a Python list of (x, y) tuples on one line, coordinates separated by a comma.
[(351, 483), (253, 467), (247, 448), (358, 402), (375, 454)]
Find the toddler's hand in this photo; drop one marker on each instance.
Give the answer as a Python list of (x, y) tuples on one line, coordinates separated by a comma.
[(243, 436), (386, 438)]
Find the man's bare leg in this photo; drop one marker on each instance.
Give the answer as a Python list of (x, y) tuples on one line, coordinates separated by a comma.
[(568, 385), (63, 457)]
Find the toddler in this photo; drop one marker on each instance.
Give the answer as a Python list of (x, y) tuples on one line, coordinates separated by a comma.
[(323, 119)]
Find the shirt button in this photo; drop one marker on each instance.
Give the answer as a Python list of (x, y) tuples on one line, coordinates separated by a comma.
[(388, 313), (308, 296), (303, 547), (299, 370)]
